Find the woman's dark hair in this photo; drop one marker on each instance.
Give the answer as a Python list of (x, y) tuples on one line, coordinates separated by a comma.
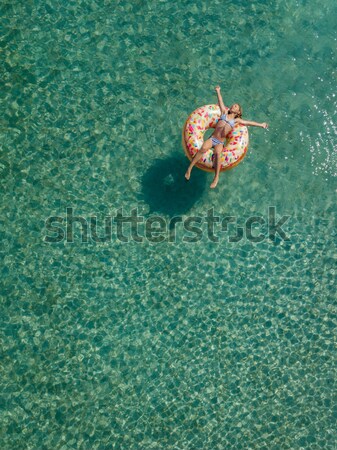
[(240, 113)]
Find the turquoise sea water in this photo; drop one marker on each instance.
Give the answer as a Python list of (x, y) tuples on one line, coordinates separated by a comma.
[(167, 345)]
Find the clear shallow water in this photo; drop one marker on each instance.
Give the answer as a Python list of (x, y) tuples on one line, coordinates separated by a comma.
[(200, 345)]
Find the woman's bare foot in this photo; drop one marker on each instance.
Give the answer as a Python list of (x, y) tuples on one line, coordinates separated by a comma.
[(187, 175), (214, 183)]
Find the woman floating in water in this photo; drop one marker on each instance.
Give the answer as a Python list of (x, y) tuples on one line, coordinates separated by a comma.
[(229, 117)]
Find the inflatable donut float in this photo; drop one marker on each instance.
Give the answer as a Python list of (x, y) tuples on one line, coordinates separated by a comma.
[(195, 126)]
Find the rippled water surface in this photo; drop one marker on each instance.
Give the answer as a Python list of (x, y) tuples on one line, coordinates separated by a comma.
[(194, 339)]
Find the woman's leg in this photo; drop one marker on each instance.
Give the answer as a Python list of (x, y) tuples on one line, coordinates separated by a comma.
[(205, 147), (217, 150)]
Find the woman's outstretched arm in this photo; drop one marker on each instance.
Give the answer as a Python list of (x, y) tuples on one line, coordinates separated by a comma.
[(251, 123), (221, 103)]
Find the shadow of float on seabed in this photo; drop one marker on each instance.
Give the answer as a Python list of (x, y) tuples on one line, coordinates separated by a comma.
[(165, 189)]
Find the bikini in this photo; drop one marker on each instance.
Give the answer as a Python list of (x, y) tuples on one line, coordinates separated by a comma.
[(216, 141), (230, 122)]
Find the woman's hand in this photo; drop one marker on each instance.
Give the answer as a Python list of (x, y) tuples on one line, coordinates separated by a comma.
[(217, 88), (264, 125)]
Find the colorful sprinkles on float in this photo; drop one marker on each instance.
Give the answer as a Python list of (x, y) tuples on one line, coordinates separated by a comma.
[(198, 122)]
